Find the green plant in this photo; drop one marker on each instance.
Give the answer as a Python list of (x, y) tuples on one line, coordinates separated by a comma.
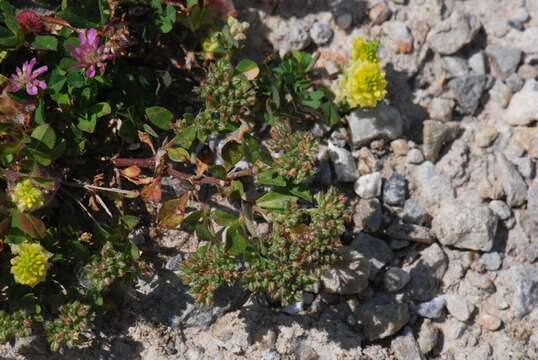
[(72, 326)]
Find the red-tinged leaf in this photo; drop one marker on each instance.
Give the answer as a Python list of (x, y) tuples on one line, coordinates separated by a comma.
[(31, 225), (131, 171), (152, 192), (172, 212)]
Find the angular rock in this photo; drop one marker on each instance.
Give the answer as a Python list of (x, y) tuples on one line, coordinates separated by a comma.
[(501, 94), (410, 232), (528, 219), (459, 307), (500, 209), (405, 346), (465, 226), (368, 215), (381, 321), (428, 337), (435, 135), (413, 213), (523, 108), (415, 157), (381, 122), (369, 186), (489, 322), (432, 309), (375, 250), (349, 275), (290, 35), (344, 163), (433, 188), (491, 261), (467, 91), (524, 281), (513, 184), (395, 190), (455, 66), (452, 34), (441, 109), (321, 33), (426, 273), (525, 166), (395, 279), (477, 62), (400, 38), (532, 196), (503, 60)]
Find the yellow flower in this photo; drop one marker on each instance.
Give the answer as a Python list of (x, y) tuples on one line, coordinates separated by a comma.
[(30, 265), (26, 196), (364, 50), (211, 43), (363, 84)]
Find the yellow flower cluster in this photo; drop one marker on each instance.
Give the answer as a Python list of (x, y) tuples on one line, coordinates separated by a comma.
[(363, 83), (26, 196), (30, 265)]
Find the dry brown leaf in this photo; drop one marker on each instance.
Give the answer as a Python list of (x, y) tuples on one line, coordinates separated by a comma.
[(152, 192), (145, 138), (131, 172)]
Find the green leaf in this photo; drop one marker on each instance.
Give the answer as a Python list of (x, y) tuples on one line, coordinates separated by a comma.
[(178, 154), (150, 130), (185, 137), (100, 109), (275, 200), (271, 178), (191, 3), (39, 115), (236, 239), (45, 135), (218, 171), (130, 221), (45, 42), (232, 152), (330, 113), (225, 218), (87, 123), (172, 212), (248, 68), (160, 117), (75, 79)]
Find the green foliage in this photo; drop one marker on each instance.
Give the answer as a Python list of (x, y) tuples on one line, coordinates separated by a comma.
[(16, 324), (227, 95), (72, 326)]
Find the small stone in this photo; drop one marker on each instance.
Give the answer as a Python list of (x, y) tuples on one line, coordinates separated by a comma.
[(500, 209), (381, 122), (455, 66), (485, 136), (321, 33), (410, 232), (465, 226), (528, 139), (395, 190), (525, 166), (395, 279), (344, 21), (501, 94), (375, 250), (453, 329), (515, 83), (489, 322), (344, 163), (405, 346), (524, 281), (441, 109), (349, 275), (174, 263), (513, 184), (477, 62), (433, 188), (368, 215), (459, 307), (426, 273), (398, 244), (491, 261), (415, 157), (503, 61), (413, 213), (293, 309), (452, 34), (523, 108), (289, 35), (428, 336), (467, 91), (381, 321), (379, 13), (432, 309), (532, 202), (270, 355), (399, 147), (436, 134), (400, 38), (369, 186)]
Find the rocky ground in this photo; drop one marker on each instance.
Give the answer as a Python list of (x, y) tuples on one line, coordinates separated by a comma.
[(443, 260)]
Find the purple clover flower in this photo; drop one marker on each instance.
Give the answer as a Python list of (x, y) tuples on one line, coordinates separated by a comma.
[(27, 77), (90, 55)]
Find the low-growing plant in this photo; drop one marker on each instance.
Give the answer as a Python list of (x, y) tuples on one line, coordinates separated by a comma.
[(102, 103)]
